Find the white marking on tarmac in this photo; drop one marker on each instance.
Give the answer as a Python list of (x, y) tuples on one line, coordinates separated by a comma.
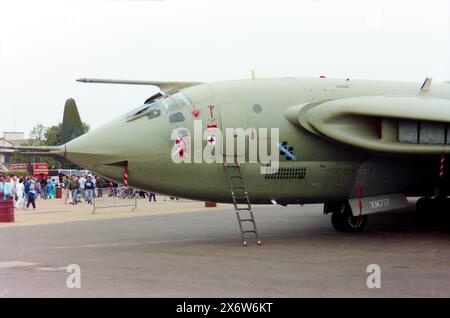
[(12, 264), (139, 243), (51, 269)]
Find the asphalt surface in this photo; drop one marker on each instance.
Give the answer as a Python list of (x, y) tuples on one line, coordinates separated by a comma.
[(199, 254)]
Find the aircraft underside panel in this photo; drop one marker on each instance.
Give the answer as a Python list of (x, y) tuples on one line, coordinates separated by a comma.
[(378, 203)]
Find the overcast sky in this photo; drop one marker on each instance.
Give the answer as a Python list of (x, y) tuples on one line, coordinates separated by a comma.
[(46, 45)]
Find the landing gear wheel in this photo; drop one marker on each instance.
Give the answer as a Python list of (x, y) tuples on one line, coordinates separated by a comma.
[(424, 206), (344, 221), (432, 210)]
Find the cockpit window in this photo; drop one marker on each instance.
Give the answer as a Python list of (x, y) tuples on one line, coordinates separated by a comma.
[(155, 105), (154, 110), (170, 104), (176, 101), (140, 111), (137, 111), (181, 99), (154, 97)]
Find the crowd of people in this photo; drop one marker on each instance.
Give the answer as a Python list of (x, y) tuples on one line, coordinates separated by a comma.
[(80, 187), (24, 191)]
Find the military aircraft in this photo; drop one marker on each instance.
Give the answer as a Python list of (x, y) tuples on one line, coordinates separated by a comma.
[(358, 146)]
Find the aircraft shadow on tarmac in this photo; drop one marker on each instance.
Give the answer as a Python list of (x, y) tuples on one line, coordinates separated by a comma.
[(289, 225), (408, 221)]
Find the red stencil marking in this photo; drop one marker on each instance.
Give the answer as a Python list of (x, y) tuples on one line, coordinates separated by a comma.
[(211, 114), (195, 113)]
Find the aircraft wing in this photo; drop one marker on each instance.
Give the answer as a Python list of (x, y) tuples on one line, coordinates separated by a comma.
[(163, 85), (387, 124)]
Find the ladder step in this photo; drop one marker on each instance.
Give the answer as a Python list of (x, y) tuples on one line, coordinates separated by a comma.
[(241, 199)]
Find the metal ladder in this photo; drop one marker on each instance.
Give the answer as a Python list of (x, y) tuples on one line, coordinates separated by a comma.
[(240, 197)]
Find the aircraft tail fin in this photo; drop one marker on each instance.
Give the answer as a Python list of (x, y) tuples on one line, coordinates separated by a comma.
[(72, 127)]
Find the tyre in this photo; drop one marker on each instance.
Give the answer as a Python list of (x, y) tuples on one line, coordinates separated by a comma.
[(434, 211), (344, 221), (424, 206)]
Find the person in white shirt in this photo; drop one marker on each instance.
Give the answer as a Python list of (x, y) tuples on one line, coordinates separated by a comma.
[(13, 183), (81, 182), (20, 193)]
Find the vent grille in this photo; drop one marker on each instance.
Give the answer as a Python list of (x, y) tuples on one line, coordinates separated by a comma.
[(288, 173)]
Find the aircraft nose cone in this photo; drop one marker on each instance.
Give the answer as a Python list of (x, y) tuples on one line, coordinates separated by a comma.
[(105, 145), (104, 151), (82, 152)]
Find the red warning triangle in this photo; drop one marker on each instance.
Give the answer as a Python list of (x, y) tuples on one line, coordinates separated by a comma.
[(195, 113)]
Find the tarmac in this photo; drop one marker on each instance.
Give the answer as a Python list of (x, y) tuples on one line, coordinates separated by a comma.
[(182, 249)]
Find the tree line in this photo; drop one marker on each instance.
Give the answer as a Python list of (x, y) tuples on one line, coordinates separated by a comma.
[(70, 128)]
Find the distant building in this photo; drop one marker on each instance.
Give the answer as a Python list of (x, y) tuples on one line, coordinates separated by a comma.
[(10, 139)]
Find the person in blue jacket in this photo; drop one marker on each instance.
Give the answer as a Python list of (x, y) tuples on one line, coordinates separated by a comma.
[(49, 188), (27, 186)]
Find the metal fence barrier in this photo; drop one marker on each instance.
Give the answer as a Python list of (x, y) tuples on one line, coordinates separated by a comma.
[(126, 197), (114, 198), (165, 198)]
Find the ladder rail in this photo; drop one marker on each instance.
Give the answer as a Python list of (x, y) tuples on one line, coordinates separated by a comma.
[(245, 197)]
